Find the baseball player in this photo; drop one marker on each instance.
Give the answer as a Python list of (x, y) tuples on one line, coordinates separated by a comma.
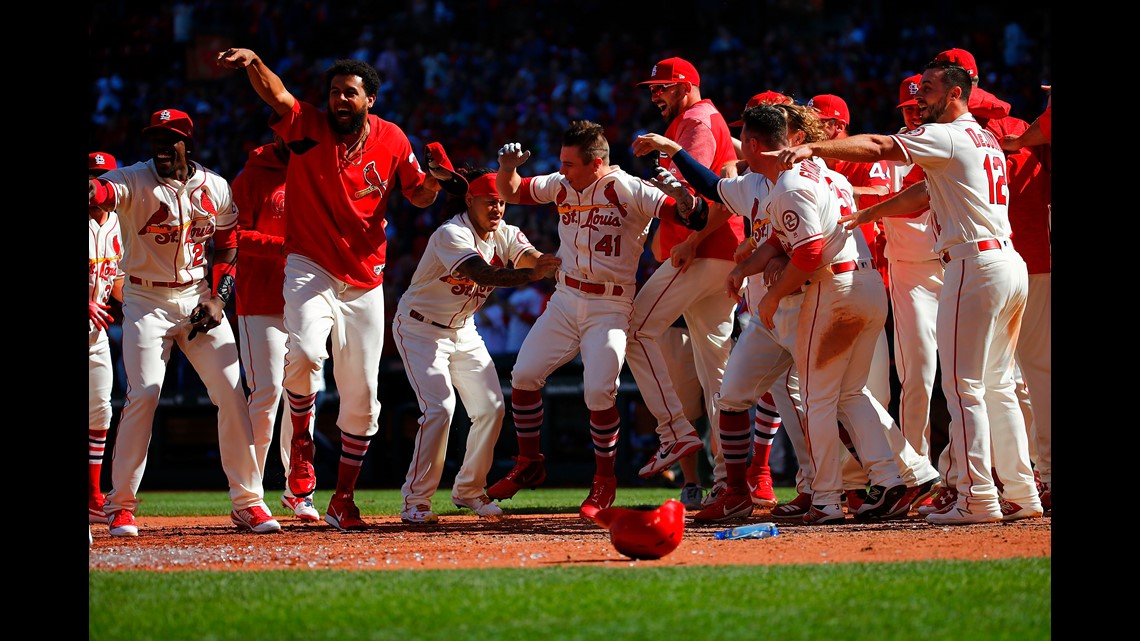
[(105, 250), (823, 255), (984, 292), (915, 283), (688, 283), (345, 164), (259, 195), (443, 353), (171, 208), (604, 216)]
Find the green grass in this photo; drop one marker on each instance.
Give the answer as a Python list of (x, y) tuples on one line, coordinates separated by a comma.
[(1001, 599)]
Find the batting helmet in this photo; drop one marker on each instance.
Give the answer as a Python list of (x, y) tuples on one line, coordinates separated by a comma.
[(645, 533)]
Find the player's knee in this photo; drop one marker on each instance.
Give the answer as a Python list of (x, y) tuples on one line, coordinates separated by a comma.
[(600, 399)]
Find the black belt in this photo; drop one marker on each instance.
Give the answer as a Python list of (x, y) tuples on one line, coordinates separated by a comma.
[(420, 317)]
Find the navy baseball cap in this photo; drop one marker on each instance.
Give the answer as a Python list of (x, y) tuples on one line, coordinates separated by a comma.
[(171, 120)]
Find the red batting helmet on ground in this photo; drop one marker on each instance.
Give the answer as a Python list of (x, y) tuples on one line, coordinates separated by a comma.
[(645, 534)]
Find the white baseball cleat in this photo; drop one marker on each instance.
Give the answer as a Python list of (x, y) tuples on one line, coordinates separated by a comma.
[(669, 453), (301, 506), (481, 505)]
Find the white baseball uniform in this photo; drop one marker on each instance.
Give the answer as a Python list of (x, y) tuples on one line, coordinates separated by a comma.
[(105, 249), (979, 312), (167, 226), (602, 231), (443, 353)]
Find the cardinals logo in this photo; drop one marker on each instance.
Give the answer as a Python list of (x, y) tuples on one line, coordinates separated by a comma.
[(158, 226), (612, 196), (372, 179)]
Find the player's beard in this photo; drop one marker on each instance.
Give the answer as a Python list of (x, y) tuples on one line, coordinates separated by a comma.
[(353, 127), (934, 111)]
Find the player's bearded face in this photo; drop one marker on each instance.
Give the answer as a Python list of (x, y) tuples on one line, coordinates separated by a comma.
[(348, 104)]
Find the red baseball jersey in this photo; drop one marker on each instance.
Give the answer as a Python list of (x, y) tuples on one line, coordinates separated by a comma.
[(259, 193), (703, 133), (336, 207)]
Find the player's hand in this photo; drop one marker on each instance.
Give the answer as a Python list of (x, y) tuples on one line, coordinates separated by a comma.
[(774, 268), (853, 221), (546, 266), (441, 169), (733, 283), (1011, 142), (207, 315), (512, 155), (649, 143), (683, 254), (100, 318), (789, 156), (766, 310), (236, 58)]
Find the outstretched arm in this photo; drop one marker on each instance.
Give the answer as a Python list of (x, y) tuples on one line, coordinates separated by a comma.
[(266, 83), (858, 148), (538, 266), (508, 181)]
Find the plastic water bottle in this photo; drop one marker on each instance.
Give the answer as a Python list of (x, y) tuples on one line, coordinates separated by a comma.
[(754, 531)]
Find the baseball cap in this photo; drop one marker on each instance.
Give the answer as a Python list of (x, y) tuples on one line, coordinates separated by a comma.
[(907, 89), (172, 120), (672, 70), (484, 186), (962, 58), (830, 106), (763, 98), (99, 162)]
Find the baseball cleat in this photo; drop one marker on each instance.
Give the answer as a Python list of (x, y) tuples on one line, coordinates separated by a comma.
[(733, 503), (944, 500), (883, 503), (961, 516), (343, 514), (95, 513), (669, 453), (480, 505), (419, 514), (760, 486), (1011, 511), (255, 519), (715, 493), (831, 514), (527, 472), (123, 523), (691, 496), (602, 495), (302, 475), (301, 507), (794, 509)]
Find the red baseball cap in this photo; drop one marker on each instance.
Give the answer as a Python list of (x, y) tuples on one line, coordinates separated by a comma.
[(99, 162), (171, 120), (672, 70), (907, 89), (764, 98), (831, 106), (962, 58)]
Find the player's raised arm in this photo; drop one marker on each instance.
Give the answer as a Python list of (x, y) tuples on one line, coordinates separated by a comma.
[(266, 83), (508, 180)]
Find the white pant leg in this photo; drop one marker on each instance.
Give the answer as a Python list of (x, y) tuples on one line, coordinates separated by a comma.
[(915, 288), (477, 382), (262, 348), (552, 341), (310, 313), (987, 293), (150, 322), (100, 378), (879, 372), (1034, 355), (426, 351)]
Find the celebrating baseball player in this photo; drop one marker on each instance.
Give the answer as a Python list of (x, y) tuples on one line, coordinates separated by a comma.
[(604, 215), (838, 275), (344, 166), (688, 284), (443, 353), (985, 289), (171, 208), (105, 250), (259, 195)]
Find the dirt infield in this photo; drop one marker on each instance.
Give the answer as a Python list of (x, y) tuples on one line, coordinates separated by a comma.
[(534, 541)]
